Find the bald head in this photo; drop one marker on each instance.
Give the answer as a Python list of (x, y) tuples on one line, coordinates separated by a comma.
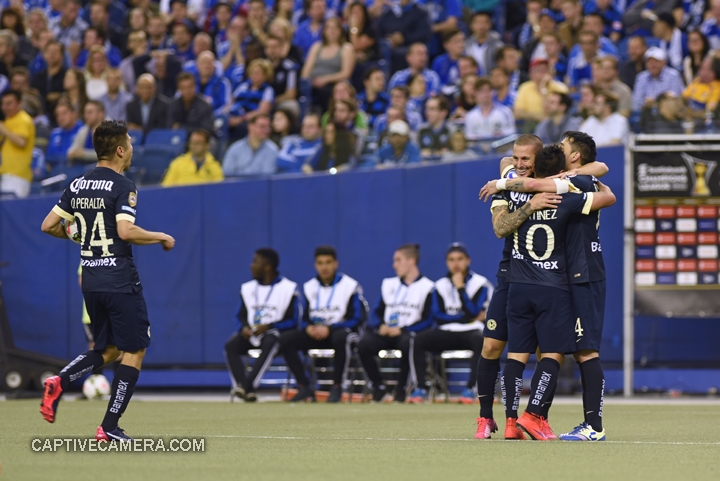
[(146, 87), (206, 64)]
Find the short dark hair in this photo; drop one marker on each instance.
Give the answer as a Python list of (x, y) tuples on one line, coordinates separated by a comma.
[(257, 117), (108, 136), (443, 103), (55, 42), (270, 256), (96, 103), (185, 76), (500, 54), (19, 70), (483, 82), (411, 251), (481, 13), (203, 132), (223, 4), (549, 161), (100, 32), (14, 93), (403, 89), (564, 100), (447, 36), (369, 72), (326, 251), (583, 144)]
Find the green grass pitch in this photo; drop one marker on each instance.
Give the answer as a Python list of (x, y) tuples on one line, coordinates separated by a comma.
[(274, 441)]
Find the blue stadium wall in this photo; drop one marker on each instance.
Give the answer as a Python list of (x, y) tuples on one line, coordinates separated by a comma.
[(192, 291)]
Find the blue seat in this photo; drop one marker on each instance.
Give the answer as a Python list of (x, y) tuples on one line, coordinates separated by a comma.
[(150, 166), (173, 138), (137, 136)]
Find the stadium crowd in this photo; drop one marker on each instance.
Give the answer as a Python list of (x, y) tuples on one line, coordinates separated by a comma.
[(286, 86)]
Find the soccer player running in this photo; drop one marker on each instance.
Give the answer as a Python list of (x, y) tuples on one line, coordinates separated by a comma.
[(103, 202), (586, 271), (495, 334), (541, 314)]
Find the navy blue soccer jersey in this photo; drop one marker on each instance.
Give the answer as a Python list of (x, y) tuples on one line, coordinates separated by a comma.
[(538, 254), (583, 252), (97, 201), (498, 200)]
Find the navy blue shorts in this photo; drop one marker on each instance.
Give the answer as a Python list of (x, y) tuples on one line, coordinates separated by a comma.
[(540, 316), (496, 320), (119, 320), (589, 304)]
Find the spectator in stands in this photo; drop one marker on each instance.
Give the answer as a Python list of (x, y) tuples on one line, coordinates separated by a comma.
[(639, 15), (68, 28), (488, 119), (177, 11), (197, 166), (8, 57), (61, 137), (18, 131), (535, 48), (148, 110), (37, 23), (182, 35), (138, 19), (257, 19), (297, 154), (399, 149), (20, 81), (658, 78), (501, 88), (396, 320), (54, 8), (285, 9), (399, 97), (233, 55), (605, 76), (215, 88), (528, 103), (116, 99), (434, 136), (446, 65), (586, 104), (269, 304), (253, 97), (402, 25), (283, 30), (667, 117), (570, 28), (465, 101), (190, 111), (363, 38), (345, 91), (559, 118), (202, 43), (283, 128), (310, 31), (459, 149), (332, 313), (374, 101), (579, 70), (13, 19), (166, 68), (75, 89), (338, 149), (594, 23), (417, 58), (254, 155), (100, 19), (33, 106), (137, 44), (557, 60), (611, 16), (703, 94), (82, 150), (381, 135), (672, 40), (96, 73), (525, 32), (711, 26), (157, 32), (219, 31), (484, 42), (635, 62), (508, 59), (285, 76), (698, 48), (460, 302), (329, 61), (417, 92), (606, 126)]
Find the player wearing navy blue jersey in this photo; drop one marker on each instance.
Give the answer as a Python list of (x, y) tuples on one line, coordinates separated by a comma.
[(332, 315), (104, 205), (540, 314)]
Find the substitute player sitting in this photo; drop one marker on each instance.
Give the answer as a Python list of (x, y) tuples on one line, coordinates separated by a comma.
[(104, 204), (269, 304), (332, 312), (540, 311), (404, 310), (460, 300)]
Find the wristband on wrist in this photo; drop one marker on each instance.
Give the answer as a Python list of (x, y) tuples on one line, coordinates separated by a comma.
[(561, 186), (500, 184)]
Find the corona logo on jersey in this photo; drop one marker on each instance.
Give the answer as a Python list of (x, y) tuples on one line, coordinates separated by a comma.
[(83, 184)]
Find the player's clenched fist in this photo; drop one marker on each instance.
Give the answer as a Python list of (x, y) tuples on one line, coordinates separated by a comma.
[(168, 242)]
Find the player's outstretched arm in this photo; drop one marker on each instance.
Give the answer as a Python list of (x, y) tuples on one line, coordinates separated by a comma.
[(596, 169), (506, 222), (133, 234), (51, 225)]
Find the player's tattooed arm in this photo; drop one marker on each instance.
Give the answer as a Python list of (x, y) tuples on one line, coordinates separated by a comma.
[(524, 184), (506, 222)]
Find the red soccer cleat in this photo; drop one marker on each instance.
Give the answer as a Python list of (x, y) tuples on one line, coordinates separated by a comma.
[(512, 431), (534, 425), (485, 428), (50, 399), (547, 430)]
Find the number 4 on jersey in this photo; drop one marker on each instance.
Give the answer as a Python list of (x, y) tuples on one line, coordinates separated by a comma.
[(97, 228), (578, 328)]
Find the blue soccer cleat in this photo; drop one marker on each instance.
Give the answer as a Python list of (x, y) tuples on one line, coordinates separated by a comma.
[(418, 396), (468, 396), (583, 432)]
